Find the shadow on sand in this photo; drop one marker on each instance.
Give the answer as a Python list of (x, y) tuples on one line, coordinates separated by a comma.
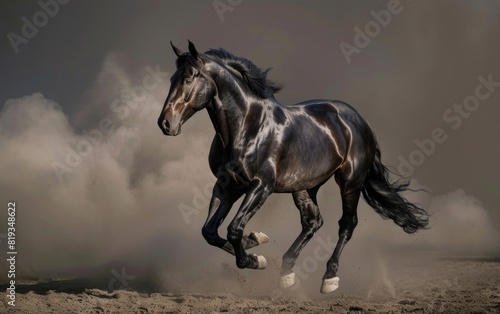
[(77, 286)]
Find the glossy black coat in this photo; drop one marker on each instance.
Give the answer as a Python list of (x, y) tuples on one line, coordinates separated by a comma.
[(262, 147)]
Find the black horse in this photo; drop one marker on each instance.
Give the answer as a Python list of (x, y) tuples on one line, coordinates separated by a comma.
[(261, 147)]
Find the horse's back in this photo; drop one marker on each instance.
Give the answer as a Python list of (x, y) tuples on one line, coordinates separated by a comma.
[(321, 136), (360, 139), (333, 112), (326, 106)]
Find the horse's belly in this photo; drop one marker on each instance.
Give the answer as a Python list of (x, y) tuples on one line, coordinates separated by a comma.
[(303, 173)]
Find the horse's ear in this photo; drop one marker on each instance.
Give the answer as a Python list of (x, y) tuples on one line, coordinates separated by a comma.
[(192, 50), (176, 50)]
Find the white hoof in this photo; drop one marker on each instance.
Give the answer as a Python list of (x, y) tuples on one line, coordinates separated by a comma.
[(261, 260), (287, 280), (259, 237), (330, 285)]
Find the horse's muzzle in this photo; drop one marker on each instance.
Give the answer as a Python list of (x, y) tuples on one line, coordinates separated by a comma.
[(167, 128)]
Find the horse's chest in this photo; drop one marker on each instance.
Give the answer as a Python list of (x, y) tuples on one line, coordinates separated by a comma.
[(246, 162)]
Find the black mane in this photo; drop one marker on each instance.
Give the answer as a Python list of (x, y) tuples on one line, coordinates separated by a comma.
[(254, 77)]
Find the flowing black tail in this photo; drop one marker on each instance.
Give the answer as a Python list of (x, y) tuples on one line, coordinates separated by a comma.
[(384, 197)]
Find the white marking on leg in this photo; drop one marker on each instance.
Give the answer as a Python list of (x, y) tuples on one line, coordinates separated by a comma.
[(330, 285), (261, 260), (260, 237), (287, 280)]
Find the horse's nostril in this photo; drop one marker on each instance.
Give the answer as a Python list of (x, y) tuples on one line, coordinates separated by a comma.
[(165, 125)]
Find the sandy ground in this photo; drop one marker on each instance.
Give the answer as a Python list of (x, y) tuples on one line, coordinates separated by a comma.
[(450, 286)]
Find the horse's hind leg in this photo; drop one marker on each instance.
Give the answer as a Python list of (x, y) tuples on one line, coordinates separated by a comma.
[(350, 190), (311, 221)]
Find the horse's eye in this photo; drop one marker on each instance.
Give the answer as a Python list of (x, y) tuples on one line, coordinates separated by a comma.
[(188, 80)]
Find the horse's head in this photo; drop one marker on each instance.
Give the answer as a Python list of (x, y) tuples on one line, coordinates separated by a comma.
[(191, 90)]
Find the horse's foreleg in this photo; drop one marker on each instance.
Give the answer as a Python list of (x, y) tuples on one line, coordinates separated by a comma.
[(256, 195), (220, 205), (311, 221)]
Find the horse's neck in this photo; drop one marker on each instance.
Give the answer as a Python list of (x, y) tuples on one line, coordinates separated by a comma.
[(228, 110), (227, 118)]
